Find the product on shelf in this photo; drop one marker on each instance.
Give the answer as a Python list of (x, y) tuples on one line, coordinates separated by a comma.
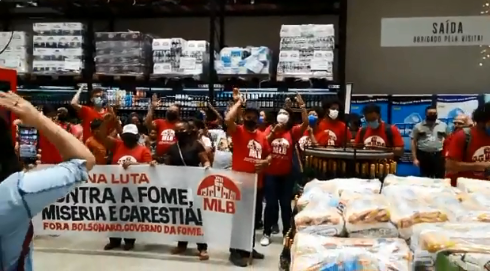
[(180, 58), (318, 253), (58, 48), (244, 61), (122, 53), (17, 54), (367, 215), (306, 51)]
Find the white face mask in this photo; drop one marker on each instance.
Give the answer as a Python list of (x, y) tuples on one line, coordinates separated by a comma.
[(333, 114), (282, 118)]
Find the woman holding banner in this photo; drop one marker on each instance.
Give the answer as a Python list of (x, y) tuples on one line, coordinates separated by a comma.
[(126, 152), (25, 194), (188, 152)]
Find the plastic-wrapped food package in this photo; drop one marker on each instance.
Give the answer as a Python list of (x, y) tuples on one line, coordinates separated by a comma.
[(337, 186), (473, 185), (476, 201), (321, 217), (471, 261), (318, 253), (315, 195), (367, 215), (412, 205), (417, 181), (459, 212), (429, 238)]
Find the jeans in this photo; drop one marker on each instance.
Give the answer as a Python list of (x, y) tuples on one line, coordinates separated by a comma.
[(200, 246), (278, 190)]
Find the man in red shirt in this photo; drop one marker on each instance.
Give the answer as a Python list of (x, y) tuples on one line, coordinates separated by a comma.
[(379, 134), (468, 153), (164, 127), (251, 154), (334, 126), (88, 113)]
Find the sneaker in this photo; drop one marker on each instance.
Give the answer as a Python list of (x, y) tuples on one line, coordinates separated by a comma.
[(265, 240), (275, 229), (237, 260)]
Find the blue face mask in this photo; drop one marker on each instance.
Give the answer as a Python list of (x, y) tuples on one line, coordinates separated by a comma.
[(373, 124), (312, 120), (98, 101), (201, 116), (261, 120)]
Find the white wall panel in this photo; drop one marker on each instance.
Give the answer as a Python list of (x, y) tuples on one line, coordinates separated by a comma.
[(374, 69)]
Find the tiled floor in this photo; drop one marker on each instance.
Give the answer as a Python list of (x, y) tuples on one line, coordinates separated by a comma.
[(56, 253)]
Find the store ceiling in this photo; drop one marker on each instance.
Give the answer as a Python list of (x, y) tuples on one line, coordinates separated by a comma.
[(102, 9)]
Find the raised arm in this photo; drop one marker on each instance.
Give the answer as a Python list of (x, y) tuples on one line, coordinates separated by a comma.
[(151, 111), (75, 101)]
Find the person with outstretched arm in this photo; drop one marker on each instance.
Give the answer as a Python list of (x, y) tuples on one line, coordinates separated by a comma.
[(86, 113), (165, 127), (23, 195), (251, 154)]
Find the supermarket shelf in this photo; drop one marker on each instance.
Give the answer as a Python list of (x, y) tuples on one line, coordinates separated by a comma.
[(100, 9)]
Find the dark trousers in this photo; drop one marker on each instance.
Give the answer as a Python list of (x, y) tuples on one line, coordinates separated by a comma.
[(278, 190), (200, 246), (258, 217), (431, 164), (117, 241)]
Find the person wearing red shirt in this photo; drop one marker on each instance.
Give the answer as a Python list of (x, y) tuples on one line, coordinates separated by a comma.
[(313, 136), (460, 122), (126, 152), (264, 121), (88, 113), (379, 134), (165, 127), (333, 126), (281, 174), (51, 155), (251, 154), (467, 153)]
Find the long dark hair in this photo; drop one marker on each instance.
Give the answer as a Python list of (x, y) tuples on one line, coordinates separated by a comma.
[(9, 162)]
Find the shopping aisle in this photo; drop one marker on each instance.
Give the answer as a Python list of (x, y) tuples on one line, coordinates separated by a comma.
[(72, 255)]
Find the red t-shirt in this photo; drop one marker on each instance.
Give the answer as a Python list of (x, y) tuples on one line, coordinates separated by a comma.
[(49, 153), (335, 131), (248, 147), (138, 154), (321, 137), (377, 137), (167, 135), (87, 115), (282, 147), (478, 150), (447, 141)]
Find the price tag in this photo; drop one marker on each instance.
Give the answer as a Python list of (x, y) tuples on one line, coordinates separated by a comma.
[(187, 63), (73, 64)]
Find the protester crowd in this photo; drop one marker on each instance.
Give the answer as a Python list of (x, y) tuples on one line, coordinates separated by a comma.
[(245, 140)]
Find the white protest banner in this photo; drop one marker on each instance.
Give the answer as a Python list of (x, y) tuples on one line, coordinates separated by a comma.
[(161, 204)]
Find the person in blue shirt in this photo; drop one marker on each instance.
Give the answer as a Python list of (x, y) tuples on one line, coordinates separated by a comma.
[(24, 194)]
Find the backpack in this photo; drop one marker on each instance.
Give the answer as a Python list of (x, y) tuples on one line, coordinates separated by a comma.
[(388, 132)]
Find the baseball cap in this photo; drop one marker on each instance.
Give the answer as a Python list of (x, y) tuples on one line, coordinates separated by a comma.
[(251, 107), (130, 129)]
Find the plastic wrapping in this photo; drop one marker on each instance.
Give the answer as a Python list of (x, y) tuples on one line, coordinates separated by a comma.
[(321, 217), (314, 253), (244, 61), (315, 195), (429, 238), (367, 215), (337, 186), (468, 185), (418, 181), (412, 205), (459, 212)]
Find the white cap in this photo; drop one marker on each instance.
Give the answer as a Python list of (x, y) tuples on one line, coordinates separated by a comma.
[(130, 129)]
